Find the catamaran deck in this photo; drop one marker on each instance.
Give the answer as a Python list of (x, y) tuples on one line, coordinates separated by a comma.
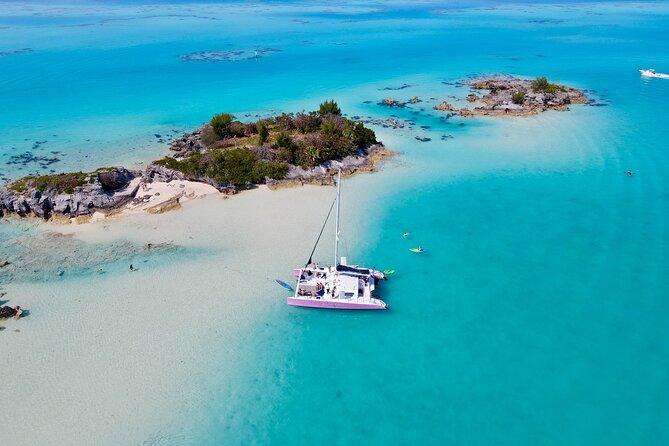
[(342, 287)]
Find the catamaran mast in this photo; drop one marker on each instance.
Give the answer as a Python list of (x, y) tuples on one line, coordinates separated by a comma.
[(337, 220)]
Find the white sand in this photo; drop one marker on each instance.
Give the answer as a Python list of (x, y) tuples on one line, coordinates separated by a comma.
[(119, 358), (155, 194), (159, 197)]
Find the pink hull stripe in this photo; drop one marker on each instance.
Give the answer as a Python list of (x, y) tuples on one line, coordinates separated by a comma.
[(319, 303)]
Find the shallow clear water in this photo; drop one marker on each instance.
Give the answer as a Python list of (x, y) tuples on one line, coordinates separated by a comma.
[(537, 313)]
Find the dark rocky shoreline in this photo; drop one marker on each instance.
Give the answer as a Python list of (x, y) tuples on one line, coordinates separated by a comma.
[(110, 189)]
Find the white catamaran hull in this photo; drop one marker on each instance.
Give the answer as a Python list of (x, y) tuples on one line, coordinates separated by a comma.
[(337, 304)]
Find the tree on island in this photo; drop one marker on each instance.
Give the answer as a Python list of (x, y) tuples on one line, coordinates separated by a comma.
[(222, 125), (329, 108), (263, 133)]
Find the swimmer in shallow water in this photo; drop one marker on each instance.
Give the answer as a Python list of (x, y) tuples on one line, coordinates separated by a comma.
[(405, 235)]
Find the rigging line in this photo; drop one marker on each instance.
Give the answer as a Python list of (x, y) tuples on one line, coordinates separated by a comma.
[(320, 233)]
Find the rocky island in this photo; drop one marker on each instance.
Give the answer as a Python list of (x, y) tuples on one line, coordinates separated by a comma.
[(224, 155), (516, 97)]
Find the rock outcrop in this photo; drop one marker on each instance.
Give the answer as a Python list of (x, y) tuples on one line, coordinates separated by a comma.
[(114, 179), (189, 143), (103, 190), (363, 161), (517, 97)]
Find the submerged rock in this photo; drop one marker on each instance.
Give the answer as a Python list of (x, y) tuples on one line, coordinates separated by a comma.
[(227, 55), (392, 102), (6, 312), (445, 106)]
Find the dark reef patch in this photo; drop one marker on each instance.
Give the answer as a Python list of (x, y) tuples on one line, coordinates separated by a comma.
[(401, 87), (546, 21), (227, 55), (27, 158), (15, 52)]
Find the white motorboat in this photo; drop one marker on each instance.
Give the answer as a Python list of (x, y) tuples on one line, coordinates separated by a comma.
[(652, 73)]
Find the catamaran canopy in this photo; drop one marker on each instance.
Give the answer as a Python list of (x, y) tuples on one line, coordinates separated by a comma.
[(350, 269)]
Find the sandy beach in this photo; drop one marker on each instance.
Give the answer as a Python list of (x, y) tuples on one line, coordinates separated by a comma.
[(118, 351)]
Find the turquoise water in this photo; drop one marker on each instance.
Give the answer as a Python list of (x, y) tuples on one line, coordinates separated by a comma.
[(538, 313)]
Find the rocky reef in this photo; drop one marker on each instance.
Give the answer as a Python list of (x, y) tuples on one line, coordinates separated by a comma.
[(227, 56), (516, 97)]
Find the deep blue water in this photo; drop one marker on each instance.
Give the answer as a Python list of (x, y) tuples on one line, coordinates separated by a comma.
[(538, 314)]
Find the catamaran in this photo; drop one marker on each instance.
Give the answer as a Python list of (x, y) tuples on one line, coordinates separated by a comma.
[(342, 286), (651, 73)]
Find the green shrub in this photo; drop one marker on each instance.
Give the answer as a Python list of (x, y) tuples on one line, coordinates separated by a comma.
[(20, 185), (311, 155), (362, 136), (330, 129), (284, 140), (193, 165), (541, 85), (233, 166), (276, 171), (518, 97), (62, 183), (329, 108)]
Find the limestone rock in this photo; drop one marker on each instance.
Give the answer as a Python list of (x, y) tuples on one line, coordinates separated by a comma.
[(114, 179)]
